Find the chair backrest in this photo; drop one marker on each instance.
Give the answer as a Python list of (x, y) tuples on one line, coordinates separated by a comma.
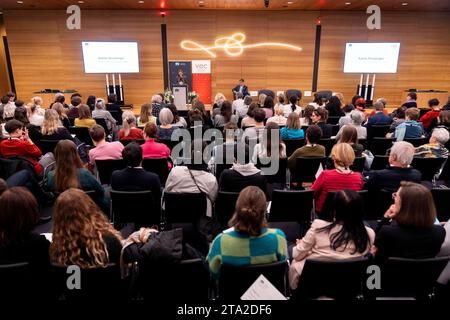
[(340, 279), (224, 206), (292, 145), (377, 204), (139, 207), (105, 168), (306, 168), (184, 207), (377, 131), (47, 145), (16, 281), (379, 162), (429, 167), (117, 115), (333, 120), (103, 283), (169, 143), (125, 142), (291, 205), (291, 92), (379, 146), (157, 165), (417, 142), (82, 133), (328, 143), (235, 280), (358, 164), (410, 277), (441, 200), (102, 122), (334, 128), (326, 94), (279, 177), (220, 167)]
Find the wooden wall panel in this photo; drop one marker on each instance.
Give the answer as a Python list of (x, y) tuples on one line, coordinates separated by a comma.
[(4, 79), (47, 55)]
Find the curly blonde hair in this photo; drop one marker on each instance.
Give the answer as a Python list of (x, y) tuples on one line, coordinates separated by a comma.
[(78, 231)]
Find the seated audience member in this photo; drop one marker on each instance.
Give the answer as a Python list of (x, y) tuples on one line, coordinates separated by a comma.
[(69, 173), (198, 105), (268, 107), (319, 118), (261, 99), (408, 228), (3, 102), (250, 240), (311, 149), (278, 118), (156, 105), (52, 128), (58, 107), (9, 107), (334, 107), (151, 148), (345, 238), (103, 150), (60, 98), (113, 104), (218, 100), (100, 112), (146, 115), (194, 177), (360, 104), (177, 120), (444, 120), (75, 102), (166, 129), (19, 215), (37, 103), (447, 105), (21, 114), (256, 131), (399, 169), (195, 118), (317, 101), (265, 147), (340, 96), (281, 99), (36, 117), (238, 104), (292, 106), (436, 146), (225, 115), (249, 119), (19, 144), (78, 222), (357, 118), (129, 130), (398, 116), (410, 100), (307, 113), (350, 136), (85, 118), (292, 130), (348, 108), (379, 118), (339, 178), (134, 177), (241, 111), (427, 118), (90, 102), (444, 278), (410, 129)]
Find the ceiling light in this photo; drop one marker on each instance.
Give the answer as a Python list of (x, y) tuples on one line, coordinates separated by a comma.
[(80, 2), (348, 3), (404, 3), (141, 2), (201, 2), (20, 2), (290, 2)]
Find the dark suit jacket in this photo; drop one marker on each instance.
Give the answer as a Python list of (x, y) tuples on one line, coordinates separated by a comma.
[(327, 129), (389, 179), (244, 91), (136, 179), (410, 104), (379, 118), (233, 181)]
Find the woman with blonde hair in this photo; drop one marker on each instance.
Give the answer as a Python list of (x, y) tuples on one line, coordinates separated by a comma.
[(58, 107), (52, 129), (340, 178), (82, 235), (146, 115), (218, 100), (100, 112), (292, 130), (84, 117), (34, 115), (129, 130), (278, 118)]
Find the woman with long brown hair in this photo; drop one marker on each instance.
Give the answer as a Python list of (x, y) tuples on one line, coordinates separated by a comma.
[(265, 148), (82, 235), (70, 173), (350, 136), (84, 117), (292, 130), (225, 115)]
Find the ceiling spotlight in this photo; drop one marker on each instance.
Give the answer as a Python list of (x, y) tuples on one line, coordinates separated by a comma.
[(404, 3), (19, 2), (290, 2), (80, 2), (348, 3), (141, 2)]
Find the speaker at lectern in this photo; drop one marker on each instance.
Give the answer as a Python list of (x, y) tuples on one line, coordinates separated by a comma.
[(180, 96)]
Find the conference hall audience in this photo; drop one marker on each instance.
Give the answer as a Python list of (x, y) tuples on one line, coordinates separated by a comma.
[(311, 148), (292, 106), (134, 177), (249, 119), (306, 120), (350, 136), (278, 118), (226, 115), (58, 107), (319, 118), (346, 119), (410, 128), (151, 148), (114, 107), (194, 177), (435, 148), (156, 105), (410, 100), (178, 121), (73, 112), (103, 150), (342, 177), (129, 130), (432, 115), (293, 129), (79, 223), (249, 239), (166, 128), (399, 169), (69, 173), (264, 149), (146, 115), (346, 237), (257, 130), (84, 117), (52, 128), (100, 112), (334, 107), (268, 107), (379, 118), (408, 228)]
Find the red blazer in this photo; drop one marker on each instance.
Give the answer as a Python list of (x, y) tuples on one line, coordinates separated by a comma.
[(428, 117), (16, 147)]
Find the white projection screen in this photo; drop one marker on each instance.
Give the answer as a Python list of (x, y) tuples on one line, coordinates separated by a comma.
[(110, 57), (371, 57)]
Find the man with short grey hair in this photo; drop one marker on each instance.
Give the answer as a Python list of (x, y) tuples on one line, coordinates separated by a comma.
[(379, 118), (436, 146), (400, 158)]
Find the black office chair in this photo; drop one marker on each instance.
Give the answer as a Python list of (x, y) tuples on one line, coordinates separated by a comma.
[(441, 200), (379, 162), (292, 145), (138, 207), (275, 173), (125, 142), (379, 146), (417, 142), (220, 167), (340, 280), (102, 122), (235, 280), (413, 278), (47, 145), (17, 282), (224, 206), (429, 167), (292, 92), (377, 203), (105, 168), (117, 115), (363, 142), (82, 133), (335, 129), (96, 284), (377, 131), (184, 207), (306, 168), (159, 166), (324, 94), (333, 120), (358, 164), (328, 143)]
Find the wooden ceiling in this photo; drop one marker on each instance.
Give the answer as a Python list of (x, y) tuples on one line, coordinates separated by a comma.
[(359, 5)]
